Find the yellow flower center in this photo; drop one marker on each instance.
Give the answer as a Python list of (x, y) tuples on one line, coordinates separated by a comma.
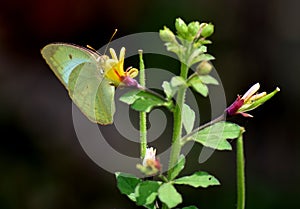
[(114, 68)]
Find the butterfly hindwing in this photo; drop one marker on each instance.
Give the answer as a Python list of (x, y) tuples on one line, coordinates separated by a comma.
[(80, 71)]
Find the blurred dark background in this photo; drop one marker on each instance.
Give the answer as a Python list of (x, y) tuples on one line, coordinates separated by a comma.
[(42, 165)]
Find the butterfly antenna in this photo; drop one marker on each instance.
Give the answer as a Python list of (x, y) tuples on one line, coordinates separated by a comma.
[(112, 36), (91, 48)]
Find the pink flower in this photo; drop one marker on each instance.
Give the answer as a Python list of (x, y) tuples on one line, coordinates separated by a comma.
[(249, 101)]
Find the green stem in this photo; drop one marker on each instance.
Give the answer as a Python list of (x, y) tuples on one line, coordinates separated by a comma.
[(240, 163), (186, 138), (177, 130), (143, 116)]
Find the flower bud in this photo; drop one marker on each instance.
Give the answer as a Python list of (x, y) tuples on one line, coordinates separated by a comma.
[(193, 28), (207, 29), (167, 35), (204, 68), (181, 27)]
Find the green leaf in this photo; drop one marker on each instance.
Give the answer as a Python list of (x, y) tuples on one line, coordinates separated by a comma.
[(202, 57), (168, 195), (150, 206), (200, 87), (168, 89), (146, 192), (207, 79), (143, 101), (193, 57), (188, 118), (174, 47), (190, 207), (127, 183), (178, 167), (177, 81), (215, 135), (130, 97), (145, 105), (198, 179)]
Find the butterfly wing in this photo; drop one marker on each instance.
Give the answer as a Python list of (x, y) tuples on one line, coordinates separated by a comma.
[(80, 71)]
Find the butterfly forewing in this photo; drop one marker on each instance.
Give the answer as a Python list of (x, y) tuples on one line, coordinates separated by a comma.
[(92, 94), (79, 70)]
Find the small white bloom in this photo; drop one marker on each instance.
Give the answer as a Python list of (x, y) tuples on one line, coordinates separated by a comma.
[(150, 155)]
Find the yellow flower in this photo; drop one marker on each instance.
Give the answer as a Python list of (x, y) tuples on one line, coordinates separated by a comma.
[(114, 69)]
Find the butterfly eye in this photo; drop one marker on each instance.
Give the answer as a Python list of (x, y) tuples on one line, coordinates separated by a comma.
[(132, 72)]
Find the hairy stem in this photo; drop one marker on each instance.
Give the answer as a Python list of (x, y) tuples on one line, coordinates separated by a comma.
[(143, 116), (177, 127), (240, 168)]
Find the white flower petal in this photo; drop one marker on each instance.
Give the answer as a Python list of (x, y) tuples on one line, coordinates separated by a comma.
[(251, 91), (150, 155)]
